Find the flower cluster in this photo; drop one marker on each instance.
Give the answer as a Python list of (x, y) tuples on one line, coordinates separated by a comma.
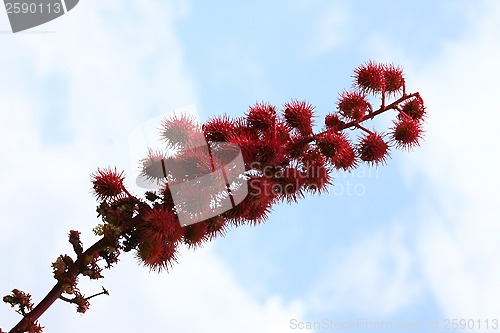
[(229, 172), (283, 160), (23, 302)]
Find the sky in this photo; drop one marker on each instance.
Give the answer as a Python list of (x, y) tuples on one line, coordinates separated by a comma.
[(412, 243)]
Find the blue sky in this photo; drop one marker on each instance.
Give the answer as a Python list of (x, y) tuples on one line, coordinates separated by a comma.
[(418, 242)]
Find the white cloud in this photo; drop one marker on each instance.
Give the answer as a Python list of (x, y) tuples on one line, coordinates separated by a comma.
[(373, 277), (330, 29), (459, 244), (121, 64), (200, 294)]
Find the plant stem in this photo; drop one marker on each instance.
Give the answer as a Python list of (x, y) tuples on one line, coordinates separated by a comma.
[(393, 105), (73, 271)]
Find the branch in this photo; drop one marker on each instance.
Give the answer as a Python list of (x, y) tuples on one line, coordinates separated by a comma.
[(73, 271)]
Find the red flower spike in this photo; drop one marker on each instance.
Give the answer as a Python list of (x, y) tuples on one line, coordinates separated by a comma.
[(353, 105), (333, 121), (373, 149), (406, 132), (262, 117), (414, 108), (299, 115), (107, 183), (394, 80), (369, 78)]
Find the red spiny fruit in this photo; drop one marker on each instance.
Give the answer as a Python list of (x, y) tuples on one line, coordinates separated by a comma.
[(179, 131), (194, 198), (331, 143), (333, 121), (158, 255), (249, 148), (219, 129), (373, 149), (296, 146), (337, 148), (315, 171), (394, 80), (263, 186), (195, 234), (192, 163), (261, 193), (236, 214), (298, 115), (262, 117), (406, 132), (346, 157), (269, 152), (154, 167), (150, 251), (107, 183), (353, 105), (162, 224), (370, 78), (282, 132), (414, 108), (289, 182), (216, 226)]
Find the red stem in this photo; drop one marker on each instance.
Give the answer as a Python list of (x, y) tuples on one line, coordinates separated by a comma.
[(371, 115)]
